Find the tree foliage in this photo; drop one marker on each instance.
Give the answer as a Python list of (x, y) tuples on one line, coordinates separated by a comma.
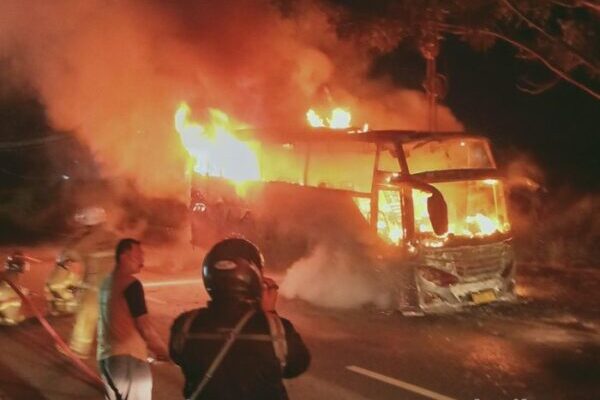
[(560, 35)]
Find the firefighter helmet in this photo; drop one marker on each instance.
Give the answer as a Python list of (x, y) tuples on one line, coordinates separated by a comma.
[(91, 216), (16, 262), (232, 269)]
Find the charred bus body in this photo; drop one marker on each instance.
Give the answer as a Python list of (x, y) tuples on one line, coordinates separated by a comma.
[(428, 209)]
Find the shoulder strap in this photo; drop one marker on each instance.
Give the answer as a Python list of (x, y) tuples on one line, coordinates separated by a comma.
[(182, 337), (222, 353), (278, 337)]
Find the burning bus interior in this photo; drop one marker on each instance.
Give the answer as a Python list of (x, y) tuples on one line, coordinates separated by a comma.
[(391, 198)]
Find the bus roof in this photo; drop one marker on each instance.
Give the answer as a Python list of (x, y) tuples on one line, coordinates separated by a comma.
[(335, 135)]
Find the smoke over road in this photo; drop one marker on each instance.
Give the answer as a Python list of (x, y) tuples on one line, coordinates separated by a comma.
[(331, 278)]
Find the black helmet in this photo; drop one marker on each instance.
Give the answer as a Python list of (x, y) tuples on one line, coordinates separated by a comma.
[(232, 269)]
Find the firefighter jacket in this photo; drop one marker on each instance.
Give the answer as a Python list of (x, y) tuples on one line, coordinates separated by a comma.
[(95, 249), (251, 369), (61, 280)]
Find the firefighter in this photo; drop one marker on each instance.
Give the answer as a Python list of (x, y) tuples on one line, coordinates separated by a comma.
[(267, 348), (10, 302), (62, 286), (94, 250)]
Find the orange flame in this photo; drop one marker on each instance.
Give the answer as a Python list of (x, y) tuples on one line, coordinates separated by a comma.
[(339, 119), (474, 225), (214, 149), (314, 120), (483, 225)]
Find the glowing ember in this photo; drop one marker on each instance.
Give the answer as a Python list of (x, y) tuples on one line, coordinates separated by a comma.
[(214, 149)]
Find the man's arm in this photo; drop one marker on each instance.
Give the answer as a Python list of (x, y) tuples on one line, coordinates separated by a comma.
[(152, 338), (175, 346), (134, 294), (298, 357)]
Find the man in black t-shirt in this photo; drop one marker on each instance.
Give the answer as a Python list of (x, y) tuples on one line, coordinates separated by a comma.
[(124, 329)]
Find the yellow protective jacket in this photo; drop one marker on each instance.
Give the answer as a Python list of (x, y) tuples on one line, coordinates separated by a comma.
[(95, 250)]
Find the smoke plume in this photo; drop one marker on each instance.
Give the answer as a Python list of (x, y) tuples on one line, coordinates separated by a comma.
[(114, 72), (331, 278), (552, 225)]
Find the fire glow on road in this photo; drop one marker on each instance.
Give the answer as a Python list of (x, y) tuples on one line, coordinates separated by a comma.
[(173, 283), (398, 383)]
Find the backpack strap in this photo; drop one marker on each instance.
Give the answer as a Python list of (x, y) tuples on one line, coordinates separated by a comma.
[(183, 335), (278, 337), (222, 353), (258, 337)]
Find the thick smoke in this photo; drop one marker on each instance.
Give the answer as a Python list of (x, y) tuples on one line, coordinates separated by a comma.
[(331, 278), (552, 225), (115, 71)]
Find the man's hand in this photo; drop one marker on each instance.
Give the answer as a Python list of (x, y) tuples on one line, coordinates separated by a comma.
[(155, 343), (163, 357), (269, 294)]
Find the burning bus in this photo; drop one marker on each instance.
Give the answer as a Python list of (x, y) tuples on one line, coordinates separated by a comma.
[(428, 210)]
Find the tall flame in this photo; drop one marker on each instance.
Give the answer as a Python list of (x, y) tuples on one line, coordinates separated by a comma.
[(214, 149)]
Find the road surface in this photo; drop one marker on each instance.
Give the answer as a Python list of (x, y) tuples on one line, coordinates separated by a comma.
[(545, 347)]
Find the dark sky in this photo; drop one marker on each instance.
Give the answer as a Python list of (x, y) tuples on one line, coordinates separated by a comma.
[(558, 128)]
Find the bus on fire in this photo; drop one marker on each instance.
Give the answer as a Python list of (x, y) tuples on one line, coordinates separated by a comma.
[(427, 208)]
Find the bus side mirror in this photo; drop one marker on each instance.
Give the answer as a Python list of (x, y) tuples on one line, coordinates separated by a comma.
[(438, 213), (436, 205)]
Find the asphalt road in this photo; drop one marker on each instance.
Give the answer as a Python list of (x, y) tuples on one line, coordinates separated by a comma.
[(545, 347)]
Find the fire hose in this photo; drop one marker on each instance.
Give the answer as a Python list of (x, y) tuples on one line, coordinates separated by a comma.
[(62, 346)]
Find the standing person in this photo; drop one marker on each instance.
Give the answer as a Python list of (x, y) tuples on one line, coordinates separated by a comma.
[(124, 329), (61, 288), (11, 312), (237, 347), (94, 249)]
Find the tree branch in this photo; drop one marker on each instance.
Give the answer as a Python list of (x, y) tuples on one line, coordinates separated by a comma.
[(462, 31), (590, 64), (593, 6), (566, 5), (579, 4), (537, 88)]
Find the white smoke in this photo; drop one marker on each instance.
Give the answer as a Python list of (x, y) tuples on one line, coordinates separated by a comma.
[(331, 278)]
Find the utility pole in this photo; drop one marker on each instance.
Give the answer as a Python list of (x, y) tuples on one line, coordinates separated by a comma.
[(434, 84)]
